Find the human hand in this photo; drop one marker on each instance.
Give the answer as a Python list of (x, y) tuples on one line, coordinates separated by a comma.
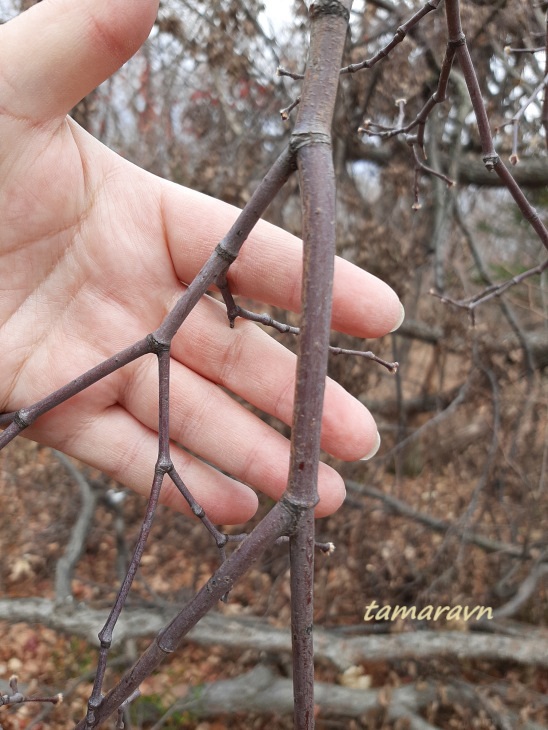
[(93, 253)]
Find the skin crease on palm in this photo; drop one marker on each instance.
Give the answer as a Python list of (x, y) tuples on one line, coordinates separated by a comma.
[(93, 253)]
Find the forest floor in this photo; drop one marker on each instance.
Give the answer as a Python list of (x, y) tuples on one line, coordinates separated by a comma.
[(380, 556)]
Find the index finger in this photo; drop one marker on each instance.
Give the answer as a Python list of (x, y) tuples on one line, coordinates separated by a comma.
[(268, 268), (57, 51)]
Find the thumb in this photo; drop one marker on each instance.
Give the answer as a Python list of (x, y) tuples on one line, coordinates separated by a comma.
[(56, 52)]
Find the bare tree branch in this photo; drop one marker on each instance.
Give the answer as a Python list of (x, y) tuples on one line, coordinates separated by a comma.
[(260, 690), (65, 565), (530, 648), (441, 526)]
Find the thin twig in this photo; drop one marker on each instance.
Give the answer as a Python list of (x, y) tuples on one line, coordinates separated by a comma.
[(490, 157), (442, 526), (234, 311), (399, 35), (18, 698), (495, 290)]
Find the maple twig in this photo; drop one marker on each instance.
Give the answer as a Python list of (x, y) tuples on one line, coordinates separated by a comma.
[(491, 159), (234, 311), (490, 292), (399, 36), (18, 698), (279, 521), (290, 74), (284, 113), (384, 52)]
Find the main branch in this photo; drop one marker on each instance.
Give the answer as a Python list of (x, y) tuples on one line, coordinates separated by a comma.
[(311, 139)]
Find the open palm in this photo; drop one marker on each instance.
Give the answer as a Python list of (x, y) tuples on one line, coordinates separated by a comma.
[(93, 254)]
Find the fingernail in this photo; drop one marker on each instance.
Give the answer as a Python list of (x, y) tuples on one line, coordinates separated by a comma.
[(400, 320), (374, 450)]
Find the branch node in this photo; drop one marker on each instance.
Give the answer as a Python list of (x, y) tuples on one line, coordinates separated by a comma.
[(221, 251), (297, 506), (221, 540), (460, 40), (22, 418), (303, 139), (491, 161), (164, 465), (329, 7), (156, 345), (198, 511)]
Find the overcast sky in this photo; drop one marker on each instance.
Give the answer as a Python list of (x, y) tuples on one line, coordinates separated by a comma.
[(277, 12)]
